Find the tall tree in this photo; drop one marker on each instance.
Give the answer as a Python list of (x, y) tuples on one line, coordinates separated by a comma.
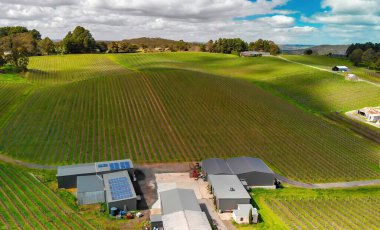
[(46, 46), (369, 57), (356, 56), (79, 41)]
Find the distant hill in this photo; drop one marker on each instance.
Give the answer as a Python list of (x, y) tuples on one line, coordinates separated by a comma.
[(334, 49), (152, 42), (321, 49)]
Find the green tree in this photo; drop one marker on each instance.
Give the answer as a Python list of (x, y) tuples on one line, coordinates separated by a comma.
[(356, 56), (36, 34), (369, 57), (308, 52), (79, 41), (22, 63), (182, 46), (377, 64), (46, 46), (101, 46), (113, 47)]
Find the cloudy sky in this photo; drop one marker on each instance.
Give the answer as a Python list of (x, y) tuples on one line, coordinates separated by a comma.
[(284, 21)]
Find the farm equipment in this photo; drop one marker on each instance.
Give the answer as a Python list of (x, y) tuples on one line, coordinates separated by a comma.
[(195, 171)]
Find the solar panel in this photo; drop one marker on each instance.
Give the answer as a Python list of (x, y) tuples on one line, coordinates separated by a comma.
[(102, 165), (120, 188)]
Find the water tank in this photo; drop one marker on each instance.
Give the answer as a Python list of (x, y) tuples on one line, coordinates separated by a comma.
[(113, 211)]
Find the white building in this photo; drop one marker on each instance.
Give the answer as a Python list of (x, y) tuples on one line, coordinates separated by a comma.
[(241, 214), (340, 68), (372, 115)]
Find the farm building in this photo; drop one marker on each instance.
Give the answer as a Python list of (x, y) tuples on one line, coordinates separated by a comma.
[(180, 210), (67, 175), (254, 54), (120, 192), (90, 189), (372, 115), (215, 166), (241, 214), (228, 192), (340, 68), (253, 170)]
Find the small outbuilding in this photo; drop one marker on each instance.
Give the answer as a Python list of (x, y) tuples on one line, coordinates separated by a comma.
[(228, 192), (180, 210), (215, 166), (372, 114), (90, 189), (340, 68), (254, 54), (120, 192), (252, 170), (241, 214)]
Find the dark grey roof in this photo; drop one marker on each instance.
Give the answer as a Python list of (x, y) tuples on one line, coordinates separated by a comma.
[(92, 168), (78, 169), (175, 200), (222, 185), (240, 165), (216, 166), (90, 183)]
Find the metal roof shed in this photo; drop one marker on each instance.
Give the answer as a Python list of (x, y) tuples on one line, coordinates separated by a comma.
[(90, 189), (228, 191), (120, 192), (252, 170), (186, 220), (176, 200), (216, 166), (67, 175)]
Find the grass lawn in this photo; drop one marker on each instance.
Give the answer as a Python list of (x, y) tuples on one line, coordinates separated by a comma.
[(296, 208)]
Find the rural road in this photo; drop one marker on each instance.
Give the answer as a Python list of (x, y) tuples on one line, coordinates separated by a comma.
[(283, 179), (326, 70)]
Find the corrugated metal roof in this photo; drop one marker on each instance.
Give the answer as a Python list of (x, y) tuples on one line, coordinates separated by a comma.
[(222, 185), (216, 166), (240, 165), (92, 168), (243, 210), (186, 220), (90, 183), (178, 200), (120, 174), (78, 169), (91, 197)]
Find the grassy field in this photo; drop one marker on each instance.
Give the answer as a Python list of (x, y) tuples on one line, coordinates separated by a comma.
[(293, 208), (328, 62), (26, 203), (181, 107), (314, 90)]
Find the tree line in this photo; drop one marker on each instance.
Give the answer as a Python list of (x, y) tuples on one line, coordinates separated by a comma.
[(237, 45), (365, 54)]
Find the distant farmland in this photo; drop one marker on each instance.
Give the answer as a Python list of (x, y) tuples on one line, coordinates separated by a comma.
[(178, 107)]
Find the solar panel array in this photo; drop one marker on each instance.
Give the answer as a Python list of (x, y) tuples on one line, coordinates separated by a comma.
[(102, 165), (120, 188), (120, 165)]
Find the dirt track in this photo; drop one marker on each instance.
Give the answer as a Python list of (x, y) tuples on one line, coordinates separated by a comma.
[(150, 169)]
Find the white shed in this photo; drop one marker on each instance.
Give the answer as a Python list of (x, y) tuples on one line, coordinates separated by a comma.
[(241, 214)]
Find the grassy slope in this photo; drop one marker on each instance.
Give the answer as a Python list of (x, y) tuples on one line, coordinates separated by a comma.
[(26, 203), (311, 89), (165, 112), (328, 62), (296, 208)]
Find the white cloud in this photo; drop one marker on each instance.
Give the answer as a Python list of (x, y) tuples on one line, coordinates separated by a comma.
[(191, 20)]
